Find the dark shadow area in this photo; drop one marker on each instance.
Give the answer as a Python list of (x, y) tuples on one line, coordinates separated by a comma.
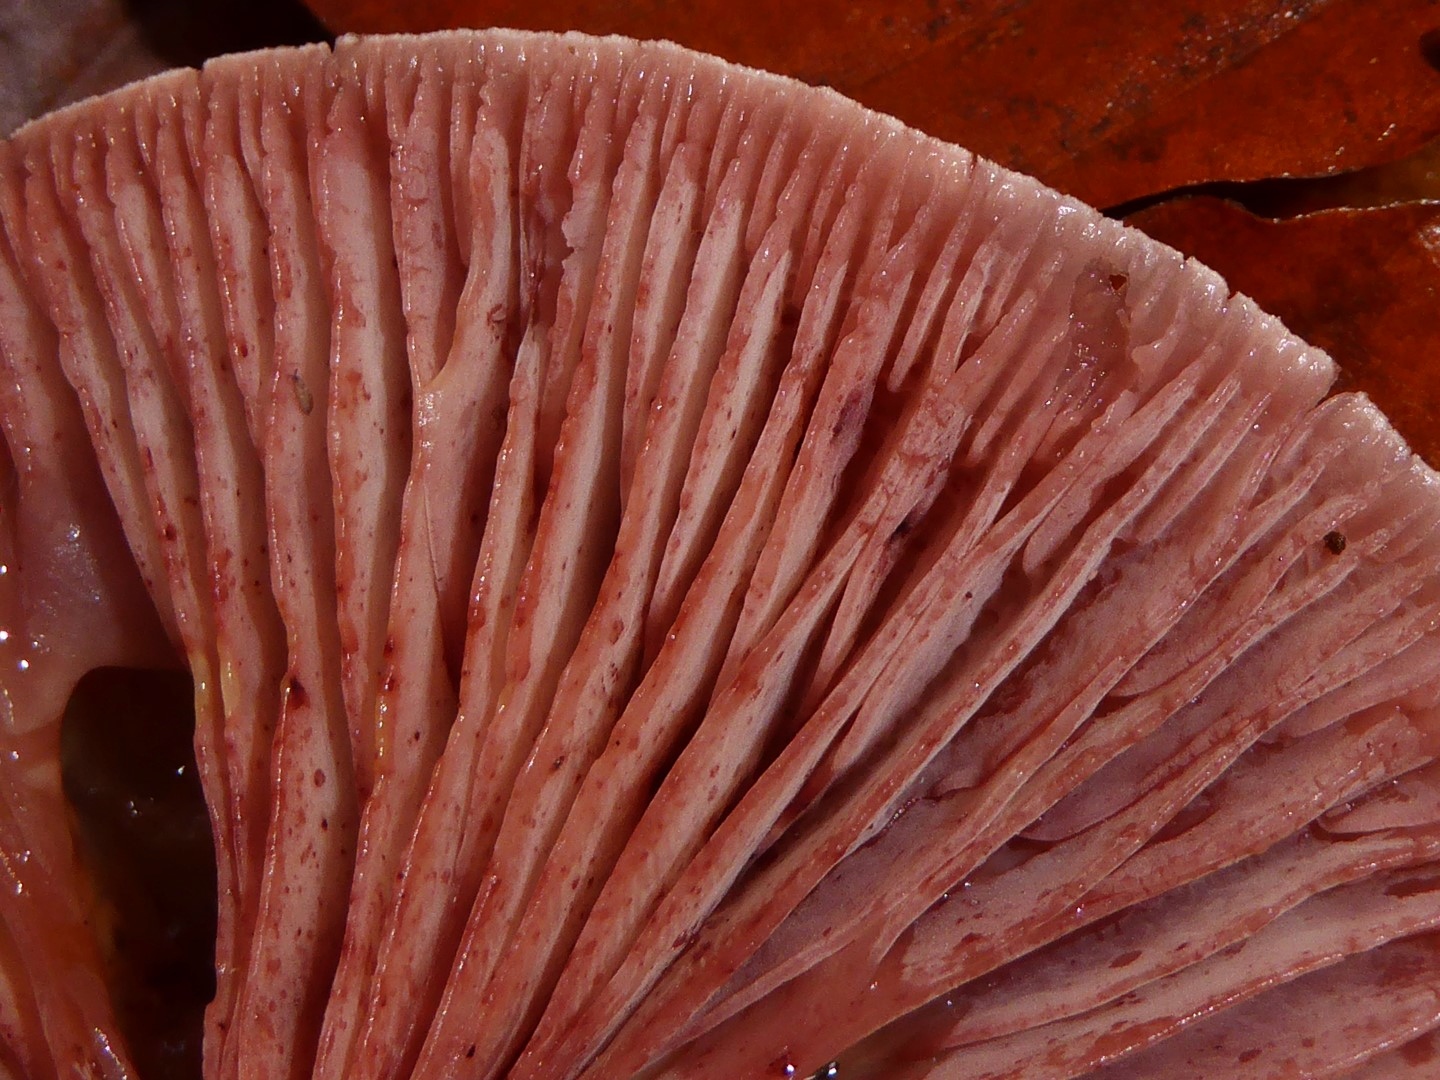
[(186, 32), (141, 827), (1412, 178), (1430, 47)]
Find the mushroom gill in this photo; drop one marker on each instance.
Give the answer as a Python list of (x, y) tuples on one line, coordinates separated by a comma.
[(684, 577)]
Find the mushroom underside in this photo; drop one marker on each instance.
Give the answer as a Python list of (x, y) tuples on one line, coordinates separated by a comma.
[(682, 576)]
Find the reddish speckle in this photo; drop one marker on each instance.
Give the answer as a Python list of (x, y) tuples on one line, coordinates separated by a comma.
[(1414, 887), (319, 777), (852, 416), (1420, 1051)]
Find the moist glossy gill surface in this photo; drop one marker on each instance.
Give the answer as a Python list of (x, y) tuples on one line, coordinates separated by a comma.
[(681, 576)]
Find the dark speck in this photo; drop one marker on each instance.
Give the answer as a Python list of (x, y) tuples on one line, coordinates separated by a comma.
[(1430, 47), (303, 397)]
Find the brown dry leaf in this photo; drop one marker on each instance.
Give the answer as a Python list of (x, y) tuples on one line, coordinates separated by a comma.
[(1109, 103), (1413, 178), (1361, 284)]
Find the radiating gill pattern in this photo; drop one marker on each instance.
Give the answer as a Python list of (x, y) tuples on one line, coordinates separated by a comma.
[(685, 577)]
